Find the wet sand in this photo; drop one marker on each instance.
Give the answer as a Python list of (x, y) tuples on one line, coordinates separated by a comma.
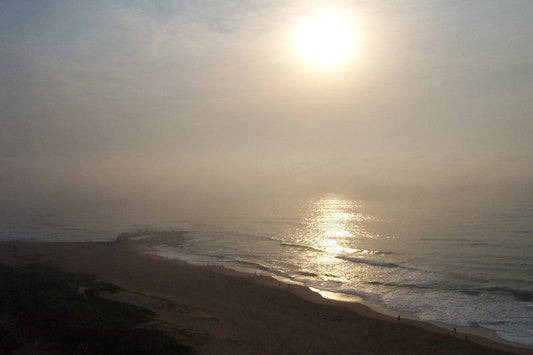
[(221, 311)]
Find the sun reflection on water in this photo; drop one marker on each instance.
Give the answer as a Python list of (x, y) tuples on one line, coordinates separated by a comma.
[(335, 243), (333, 225), (334, 229)]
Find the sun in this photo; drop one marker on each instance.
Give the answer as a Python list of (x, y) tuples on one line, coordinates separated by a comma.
[(325, 39)]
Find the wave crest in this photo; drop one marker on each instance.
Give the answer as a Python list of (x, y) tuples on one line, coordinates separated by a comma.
[(368, 261)]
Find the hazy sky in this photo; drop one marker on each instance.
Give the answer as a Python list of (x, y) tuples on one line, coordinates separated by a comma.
[(110, 103)]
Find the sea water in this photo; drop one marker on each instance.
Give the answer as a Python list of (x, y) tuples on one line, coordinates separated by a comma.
[(462, 266)]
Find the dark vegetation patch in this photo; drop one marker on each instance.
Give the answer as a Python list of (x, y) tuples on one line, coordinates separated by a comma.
[(41, 305)]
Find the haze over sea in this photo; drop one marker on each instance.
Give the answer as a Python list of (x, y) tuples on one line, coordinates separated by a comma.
[(461, 264), (378, 149)]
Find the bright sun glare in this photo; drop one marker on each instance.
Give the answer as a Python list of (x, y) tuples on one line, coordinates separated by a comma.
[(324, 40)]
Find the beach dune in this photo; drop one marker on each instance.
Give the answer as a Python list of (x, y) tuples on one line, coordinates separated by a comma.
[(221, 311)]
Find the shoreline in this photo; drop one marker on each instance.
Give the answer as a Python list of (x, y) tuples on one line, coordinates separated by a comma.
[(482, 332), (373, 309), (246, 307)]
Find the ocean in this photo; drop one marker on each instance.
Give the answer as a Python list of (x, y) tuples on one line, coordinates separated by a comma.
[(463, 266)]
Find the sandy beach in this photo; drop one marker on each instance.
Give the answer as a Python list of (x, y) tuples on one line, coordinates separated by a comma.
[(220, 311)]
